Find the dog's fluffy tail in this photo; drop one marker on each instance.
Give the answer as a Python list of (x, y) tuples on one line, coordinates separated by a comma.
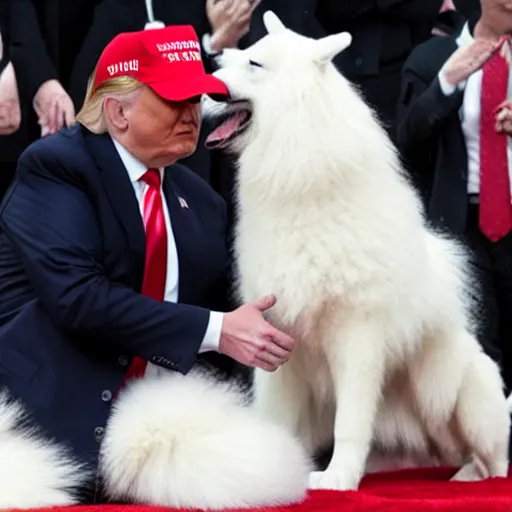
[(192, 442), (34, 472)]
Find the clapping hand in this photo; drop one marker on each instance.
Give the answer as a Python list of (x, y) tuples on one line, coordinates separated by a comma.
[(504, 118), (10, 113), (54, 107), (230, 20), (468, 59)]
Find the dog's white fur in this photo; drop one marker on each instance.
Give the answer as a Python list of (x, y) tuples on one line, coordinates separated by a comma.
[(191, 442), (376, 300), (34, 472), (172, 440)]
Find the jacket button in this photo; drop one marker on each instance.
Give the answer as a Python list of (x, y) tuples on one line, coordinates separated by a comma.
[(98, 434), (123, 360), (106, 395)]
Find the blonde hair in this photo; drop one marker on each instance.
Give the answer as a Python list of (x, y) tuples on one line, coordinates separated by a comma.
[(91, 114)]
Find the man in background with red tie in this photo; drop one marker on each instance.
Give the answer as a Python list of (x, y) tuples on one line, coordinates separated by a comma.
[(113, 256), (453, 132)]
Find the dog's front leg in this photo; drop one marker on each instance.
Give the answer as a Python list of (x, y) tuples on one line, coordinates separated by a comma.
[(357, 365), (280, 397)]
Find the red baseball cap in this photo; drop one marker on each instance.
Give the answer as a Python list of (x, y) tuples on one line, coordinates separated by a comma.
[(166, 59)]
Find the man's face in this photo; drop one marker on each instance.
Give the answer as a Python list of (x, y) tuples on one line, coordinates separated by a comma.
[(160, 132)]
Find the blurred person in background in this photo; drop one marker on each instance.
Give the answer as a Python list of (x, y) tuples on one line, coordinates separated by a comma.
[(44, 103), (453, 131)]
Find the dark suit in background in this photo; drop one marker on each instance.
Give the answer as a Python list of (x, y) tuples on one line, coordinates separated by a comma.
[(5, 31), (33, 67), (468, 8), (72, 251), (45, 37), (431, 140)]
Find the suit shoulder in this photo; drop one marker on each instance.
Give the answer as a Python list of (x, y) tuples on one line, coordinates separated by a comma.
[(62, 153), (189, 181), (428, 58)]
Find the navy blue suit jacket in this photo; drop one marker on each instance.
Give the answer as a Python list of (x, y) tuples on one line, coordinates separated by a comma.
[(72, 250)]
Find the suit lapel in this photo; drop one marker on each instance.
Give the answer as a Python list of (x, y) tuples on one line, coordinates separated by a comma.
[(184, 226), (122, 198)]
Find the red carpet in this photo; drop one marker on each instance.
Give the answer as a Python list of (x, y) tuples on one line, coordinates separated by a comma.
[(405, 491)]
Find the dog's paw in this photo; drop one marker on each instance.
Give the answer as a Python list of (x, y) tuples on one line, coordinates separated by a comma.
[(469, 473), (337, 480)]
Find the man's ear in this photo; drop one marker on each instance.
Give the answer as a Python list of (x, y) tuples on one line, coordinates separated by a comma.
[(115, 112)]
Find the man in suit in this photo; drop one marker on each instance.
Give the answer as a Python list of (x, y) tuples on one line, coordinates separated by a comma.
[(113, 258), (112, 17), (451, 94)]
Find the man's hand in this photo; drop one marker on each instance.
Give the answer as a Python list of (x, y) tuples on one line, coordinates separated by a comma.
[(10, 113), (504, 118), (53, 107), (468, 59), (230, 21), (249, 339)]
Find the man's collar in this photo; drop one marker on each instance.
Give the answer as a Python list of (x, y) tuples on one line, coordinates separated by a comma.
[(134, 167)]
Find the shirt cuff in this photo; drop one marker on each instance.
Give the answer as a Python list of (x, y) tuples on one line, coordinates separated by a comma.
[(211, 338), (446, 88)]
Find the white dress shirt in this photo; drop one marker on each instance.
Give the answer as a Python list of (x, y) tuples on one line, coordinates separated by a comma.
[(470, 116), (135, 171)]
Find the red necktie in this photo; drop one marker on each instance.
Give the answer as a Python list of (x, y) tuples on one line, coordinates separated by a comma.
[(495, 209), (155, 268)]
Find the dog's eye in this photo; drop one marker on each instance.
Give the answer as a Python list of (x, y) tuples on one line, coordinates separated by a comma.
[(255, 64)]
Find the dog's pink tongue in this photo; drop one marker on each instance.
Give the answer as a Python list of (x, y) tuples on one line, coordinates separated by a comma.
[(220, 136)]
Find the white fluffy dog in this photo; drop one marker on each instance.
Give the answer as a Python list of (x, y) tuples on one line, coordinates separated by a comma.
[(34, 472), (190, 442), (376, 300), (172, 440)]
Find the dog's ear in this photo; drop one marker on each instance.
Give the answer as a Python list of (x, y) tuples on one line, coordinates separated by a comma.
[(328, 47), (272, 23)]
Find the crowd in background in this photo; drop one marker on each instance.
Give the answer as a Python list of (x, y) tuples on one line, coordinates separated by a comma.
[(54, 45), (50, 48)]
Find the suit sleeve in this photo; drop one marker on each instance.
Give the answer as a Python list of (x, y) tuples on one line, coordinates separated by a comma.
[(29, 55), (423, 106), (103, 29), (5, 31), (410, 10), (53, 225)]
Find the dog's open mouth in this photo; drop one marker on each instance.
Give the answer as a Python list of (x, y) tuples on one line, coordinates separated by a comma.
[(232, 124)]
